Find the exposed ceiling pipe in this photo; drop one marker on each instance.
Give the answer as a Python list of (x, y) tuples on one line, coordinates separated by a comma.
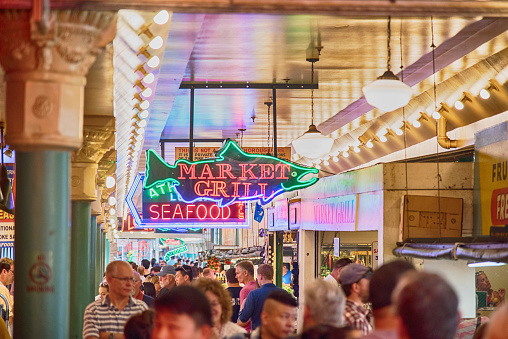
[(442, 138), (497, 252)]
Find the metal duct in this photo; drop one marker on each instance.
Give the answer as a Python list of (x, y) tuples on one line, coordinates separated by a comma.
[(478, 252)]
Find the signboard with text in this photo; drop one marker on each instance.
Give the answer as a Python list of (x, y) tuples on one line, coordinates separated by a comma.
[(201, 153), (232, 176), (492, 148), (6, 229), (280, 222), (331, 214)]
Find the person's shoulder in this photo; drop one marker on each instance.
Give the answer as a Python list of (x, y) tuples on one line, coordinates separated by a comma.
[(230, 328), (138, 303)]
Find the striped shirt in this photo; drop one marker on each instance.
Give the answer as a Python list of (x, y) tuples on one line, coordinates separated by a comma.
[(102, 316)]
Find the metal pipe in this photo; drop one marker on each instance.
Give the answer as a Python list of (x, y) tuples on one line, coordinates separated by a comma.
[(191, 131), (274, 114), (442, 138)]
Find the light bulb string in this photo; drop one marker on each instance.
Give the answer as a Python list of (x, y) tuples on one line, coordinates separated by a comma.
[(389, 58), (312, 92)]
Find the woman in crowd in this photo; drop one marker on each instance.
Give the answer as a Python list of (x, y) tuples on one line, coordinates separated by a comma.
[(155, 281), (220, 300), (149, 289), (494, 298)]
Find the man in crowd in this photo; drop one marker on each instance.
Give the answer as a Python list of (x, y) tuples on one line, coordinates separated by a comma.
[(381, 286), (183, 313), (137, 294), (497, 327), (234, 289), (324, 309), (183, 275), (245, 275), (354, 279), (286, 274), (338, 265), (427, 307), (208, 273), (7, 278), (167, 279), (253, 305), (106, 318)]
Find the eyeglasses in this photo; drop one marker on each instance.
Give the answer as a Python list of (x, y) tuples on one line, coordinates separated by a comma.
[(125, 279), (478, 273), (103, 284), (187, 271)]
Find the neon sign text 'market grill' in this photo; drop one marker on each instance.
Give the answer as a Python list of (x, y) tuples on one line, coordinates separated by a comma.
[(232, 176)]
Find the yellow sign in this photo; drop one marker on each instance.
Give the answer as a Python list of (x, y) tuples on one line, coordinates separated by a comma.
[(493, 165), (201, 153)]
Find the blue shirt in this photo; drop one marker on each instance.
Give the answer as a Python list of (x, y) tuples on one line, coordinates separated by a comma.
[(286, 278), (254, 305)]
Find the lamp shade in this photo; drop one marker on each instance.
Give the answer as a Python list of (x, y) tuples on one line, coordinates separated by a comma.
[(387, 93), (312, 144)]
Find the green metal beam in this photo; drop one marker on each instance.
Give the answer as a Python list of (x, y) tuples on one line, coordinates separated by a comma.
[(42, 245), (98, 262)]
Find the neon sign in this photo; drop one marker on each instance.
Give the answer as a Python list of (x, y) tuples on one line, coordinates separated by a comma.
[(232, 176), (176, 251), (171, 242), (161, 208)]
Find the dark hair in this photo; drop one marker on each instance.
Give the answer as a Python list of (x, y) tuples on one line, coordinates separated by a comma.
[(231, 276), (140, 326), (347, 289), (149, 289), (133, 265), (153, 262), (186, 300), (195, 272), (384, 280), (416, 305), (145, 263), (155, 269), (282, 297), (246, 265), (341, 263), (185, 270), (104, 284), (266, 271), (323, 331)]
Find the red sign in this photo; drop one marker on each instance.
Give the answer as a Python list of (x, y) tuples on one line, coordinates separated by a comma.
[(128, 225), (499, 206)]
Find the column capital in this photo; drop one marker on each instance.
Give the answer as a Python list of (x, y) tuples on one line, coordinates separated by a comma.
[(45, 75)]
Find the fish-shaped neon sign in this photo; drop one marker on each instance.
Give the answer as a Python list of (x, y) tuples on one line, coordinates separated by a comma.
[(233, 175)]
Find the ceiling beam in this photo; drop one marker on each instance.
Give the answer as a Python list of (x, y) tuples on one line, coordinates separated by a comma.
[(469, 8), (244, 85)]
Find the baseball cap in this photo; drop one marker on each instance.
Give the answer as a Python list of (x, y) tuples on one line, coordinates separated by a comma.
[(166, 270), (353, 273)]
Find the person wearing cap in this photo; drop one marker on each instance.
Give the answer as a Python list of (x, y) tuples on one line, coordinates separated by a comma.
[(166, 279), (381, 287), (183, 275), (338, 265), (354, 279)]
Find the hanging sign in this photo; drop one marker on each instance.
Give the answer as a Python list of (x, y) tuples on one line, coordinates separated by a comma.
[(331, 214), (280, 221), (162, 209), (201, 153), (233, 176)]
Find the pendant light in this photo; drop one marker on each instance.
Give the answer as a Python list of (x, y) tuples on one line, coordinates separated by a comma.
[(312, 144), (388, 93)]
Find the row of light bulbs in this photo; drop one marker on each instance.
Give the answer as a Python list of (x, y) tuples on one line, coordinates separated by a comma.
[(143, 81), (416, 123)]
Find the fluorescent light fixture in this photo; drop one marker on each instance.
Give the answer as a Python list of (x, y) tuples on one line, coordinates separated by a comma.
[(335, 158), (485, 264), (110, 182), (345, 154), (112, 201), (383, 138), (459, 105), (369, 144), (147, 92), (145, 104), (417, 123), (484, 94), (143, 114), (436, 115)]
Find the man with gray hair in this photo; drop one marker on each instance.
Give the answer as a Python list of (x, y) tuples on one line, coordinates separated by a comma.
[(323, 312)]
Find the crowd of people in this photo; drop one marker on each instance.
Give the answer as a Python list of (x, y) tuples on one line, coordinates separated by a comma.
[(394, 301)]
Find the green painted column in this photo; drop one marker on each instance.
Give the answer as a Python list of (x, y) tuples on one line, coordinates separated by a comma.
[(81, 265), (98, 262), (93, 253), (105, 251), (42, 245), (279, 247)]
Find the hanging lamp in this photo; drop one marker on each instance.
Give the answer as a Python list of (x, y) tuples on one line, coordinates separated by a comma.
[(388, 93), (312, 144)]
